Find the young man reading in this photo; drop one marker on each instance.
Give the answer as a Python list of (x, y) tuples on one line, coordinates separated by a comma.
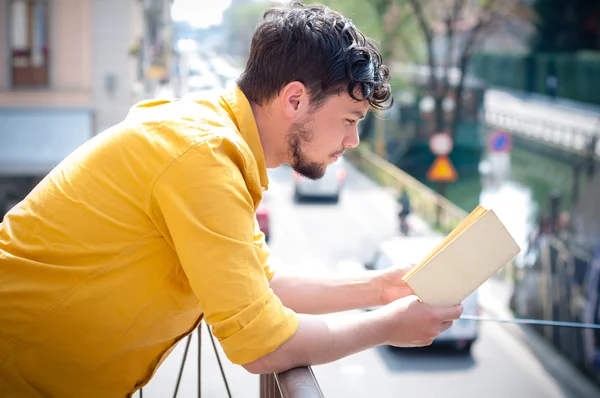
[(150, 227)]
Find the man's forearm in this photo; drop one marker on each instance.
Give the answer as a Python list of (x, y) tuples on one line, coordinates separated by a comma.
[(319, 340), (406, 322), (327, 294)]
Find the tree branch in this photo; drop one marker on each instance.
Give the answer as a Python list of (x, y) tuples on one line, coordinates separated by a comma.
[(425, 28), (484, 21), (451, 22), (398, 35)]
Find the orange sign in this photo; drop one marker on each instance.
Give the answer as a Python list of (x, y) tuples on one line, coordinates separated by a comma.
[(442, 170)]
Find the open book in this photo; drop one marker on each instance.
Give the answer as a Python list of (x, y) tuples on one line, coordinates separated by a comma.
[(473, 252)]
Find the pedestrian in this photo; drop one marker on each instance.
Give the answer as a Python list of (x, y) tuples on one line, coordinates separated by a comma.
[(404, 203), (149, 228)]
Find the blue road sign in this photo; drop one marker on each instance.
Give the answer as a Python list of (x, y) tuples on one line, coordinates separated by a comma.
[(500, 141)]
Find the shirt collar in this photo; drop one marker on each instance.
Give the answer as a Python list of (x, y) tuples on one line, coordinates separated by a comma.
[(243, 117)]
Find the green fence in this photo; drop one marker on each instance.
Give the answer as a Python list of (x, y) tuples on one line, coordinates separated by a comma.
[(577, 73)]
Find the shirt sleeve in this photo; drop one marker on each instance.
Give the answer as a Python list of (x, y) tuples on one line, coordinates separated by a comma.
[(265, 251), (207, 214)]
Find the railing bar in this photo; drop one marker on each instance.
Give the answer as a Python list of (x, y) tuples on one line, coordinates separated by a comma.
[(315, 380), (529, 321), (275, 387), (298, 383), (212, 340), (187, 347), (200, 360)]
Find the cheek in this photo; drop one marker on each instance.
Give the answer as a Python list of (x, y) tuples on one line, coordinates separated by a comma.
[(328, 139), (328, 134)]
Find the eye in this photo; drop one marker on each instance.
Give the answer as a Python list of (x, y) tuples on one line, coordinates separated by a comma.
[(350, 121)]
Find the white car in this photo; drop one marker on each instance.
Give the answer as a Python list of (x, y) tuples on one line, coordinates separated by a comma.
[(404, 251), (330, 186)]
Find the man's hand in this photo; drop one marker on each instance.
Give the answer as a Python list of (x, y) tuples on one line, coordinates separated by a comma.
[(392, 285), (412, 323), (403, 323)]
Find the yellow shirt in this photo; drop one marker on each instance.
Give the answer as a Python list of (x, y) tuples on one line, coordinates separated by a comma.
[(118, 253)]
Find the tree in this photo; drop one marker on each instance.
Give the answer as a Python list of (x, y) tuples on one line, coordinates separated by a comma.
[(390, 24), (440, 33), (239, 22), (457, 26)]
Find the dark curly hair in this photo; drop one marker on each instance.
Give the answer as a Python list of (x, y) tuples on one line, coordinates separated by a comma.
[(318, 47)]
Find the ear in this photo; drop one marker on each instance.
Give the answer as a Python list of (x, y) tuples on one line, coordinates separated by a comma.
[(294, 100)]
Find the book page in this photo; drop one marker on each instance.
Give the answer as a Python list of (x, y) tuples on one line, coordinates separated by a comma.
[(466, 223)]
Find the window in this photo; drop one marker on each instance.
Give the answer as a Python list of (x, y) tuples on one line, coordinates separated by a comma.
[(28, 24)]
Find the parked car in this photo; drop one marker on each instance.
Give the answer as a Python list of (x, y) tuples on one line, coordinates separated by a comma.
[(403, 251), (263, 218), (329, 186)]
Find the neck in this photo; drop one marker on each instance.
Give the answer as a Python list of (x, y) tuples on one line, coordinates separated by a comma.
[(271, 131)]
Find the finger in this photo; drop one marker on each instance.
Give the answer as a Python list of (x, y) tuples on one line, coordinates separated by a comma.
[(445, 326), (451, 313)]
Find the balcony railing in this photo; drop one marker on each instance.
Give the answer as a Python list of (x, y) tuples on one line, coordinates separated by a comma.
[(294, 383)]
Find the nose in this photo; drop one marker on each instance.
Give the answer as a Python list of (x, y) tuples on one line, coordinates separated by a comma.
[(351, 140)]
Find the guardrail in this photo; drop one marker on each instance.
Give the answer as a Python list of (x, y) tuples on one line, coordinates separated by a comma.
[(564, 137), (576, 132), (427, 204), (294, 383)]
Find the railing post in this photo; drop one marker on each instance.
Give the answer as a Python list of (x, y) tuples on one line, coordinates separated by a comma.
[(200, 360), (268, 386), (294, 383)]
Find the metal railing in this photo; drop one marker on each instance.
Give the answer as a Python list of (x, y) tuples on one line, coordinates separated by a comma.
[(428, 204), (294, 383), (561, 128), (563, 284)]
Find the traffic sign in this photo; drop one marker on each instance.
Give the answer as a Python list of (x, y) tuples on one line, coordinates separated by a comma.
[(500, 141), (441, 144), (442, 170)]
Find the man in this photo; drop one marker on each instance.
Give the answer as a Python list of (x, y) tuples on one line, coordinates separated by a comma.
[(150, 227), (404, 203)]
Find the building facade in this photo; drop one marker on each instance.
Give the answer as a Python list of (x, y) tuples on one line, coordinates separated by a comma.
[(68, 70)]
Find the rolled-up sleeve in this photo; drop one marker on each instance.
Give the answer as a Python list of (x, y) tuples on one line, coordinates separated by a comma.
[(203, 206)]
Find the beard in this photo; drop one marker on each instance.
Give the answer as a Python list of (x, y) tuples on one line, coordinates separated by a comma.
[(299, 135)]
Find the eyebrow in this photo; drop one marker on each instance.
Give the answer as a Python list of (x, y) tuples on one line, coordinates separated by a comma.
[(358, 114)]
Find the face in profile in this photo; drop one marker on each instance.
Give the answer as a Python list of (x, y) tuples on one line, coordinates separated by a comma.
[(320, 137)]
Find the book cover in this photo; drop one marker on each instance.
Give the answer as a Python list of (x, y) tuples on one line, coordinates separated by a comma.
[(472, 253)]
